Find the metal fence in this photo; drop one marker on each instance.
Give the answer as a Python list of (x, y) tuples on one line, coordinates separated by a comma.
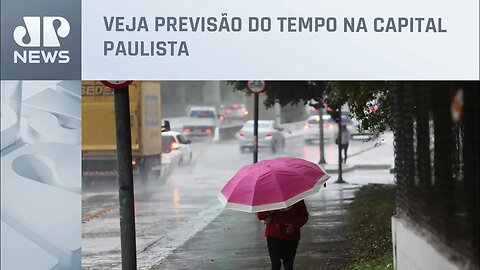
[(436, 162)]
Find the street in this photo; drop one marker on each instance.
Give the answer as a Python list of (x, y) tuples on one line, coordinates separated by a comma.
[(171, 212)]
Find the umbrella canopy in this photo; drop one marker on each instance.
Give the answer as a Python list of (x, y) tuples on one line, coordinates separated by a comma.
[(272, 184)]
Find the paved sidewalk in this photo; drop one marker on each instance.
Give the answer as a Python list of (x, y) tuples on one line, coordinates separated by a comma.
[(235, 240)]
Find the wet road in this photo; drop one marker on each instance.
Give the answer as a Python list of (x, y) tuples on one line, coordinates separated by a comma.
[(169, 214)]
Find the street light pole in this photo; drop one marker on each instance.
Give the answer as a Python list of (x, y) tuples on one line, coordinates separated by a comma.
[(255, 128), (320, 134), (340, 178), (319, 106)]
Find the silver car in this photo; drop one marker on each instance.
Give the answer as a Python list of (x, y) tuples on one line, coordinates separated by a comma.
[(330, 128), (270, 135), (312, 130), (235, 111)]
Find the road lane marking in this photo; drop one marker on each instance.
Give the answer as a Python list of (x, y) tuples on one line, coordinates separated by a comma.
[(96, 214)]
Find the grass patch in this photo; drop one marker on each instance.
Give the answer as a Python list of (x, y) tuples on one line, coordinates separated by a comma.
[(369, 229)]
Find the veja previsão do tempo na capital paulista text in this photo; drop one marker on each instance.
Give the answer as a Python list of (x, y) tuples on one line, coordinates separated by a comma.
[(226, 24)]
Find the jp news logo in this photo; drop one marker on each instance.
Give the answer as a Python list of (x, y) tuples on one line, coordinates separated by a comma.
[(41, 47)]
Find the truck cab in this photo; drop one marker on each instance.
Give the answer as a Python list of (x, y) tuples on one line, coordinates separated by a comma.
[(201, 121)]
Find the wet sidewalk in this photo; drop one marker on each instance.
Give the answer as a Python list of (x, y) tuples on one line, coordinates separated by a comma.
[(234, 240)]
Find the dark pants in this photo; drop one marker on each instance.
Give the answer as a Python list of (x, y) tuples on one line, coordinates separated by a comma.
[(345, 149), (282, 250)]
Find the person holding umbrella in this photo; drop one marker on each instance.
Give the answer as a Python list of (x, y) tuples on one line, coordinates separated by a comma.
[(283, 233), (343, 140), (275, 189)]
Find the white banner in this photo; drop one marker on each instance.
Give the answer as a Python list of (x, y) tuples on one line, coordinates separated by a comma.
[(280, 39)]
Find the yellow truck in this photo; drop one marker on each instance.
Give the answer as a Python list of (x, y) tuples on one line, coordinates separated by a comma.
[(98, 130)]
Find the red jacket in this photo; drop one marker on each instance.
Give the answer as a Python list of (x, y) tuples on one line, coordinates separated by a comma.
[(280, 219)]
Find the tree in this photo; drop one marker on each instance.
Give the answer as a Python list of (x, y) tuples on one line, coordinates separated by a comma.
[(288, 92), (369, 102)]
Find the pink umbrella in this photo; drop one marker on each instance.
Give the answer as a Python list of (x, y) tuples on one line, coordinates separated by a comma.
[(272, 184)]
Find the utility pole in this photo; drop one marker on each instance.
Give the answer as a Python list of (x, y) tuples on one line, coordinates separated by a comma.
[(318, 105), (125, 179), (278, 112), (321, 144), (339, 140), (255, 128)]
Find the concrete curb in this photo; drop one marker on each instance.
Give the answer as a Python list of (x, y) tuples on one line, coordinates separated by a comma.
[(333, 168)]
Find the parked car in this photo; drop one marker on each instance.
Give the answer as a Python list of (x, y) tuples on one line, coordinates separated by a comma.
[(176, 148), (270, 135), (235, 111)]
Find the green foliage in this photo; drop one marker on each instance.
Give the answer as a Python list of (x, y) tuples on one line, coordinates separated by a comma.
[(288, 92), (369, 231), (384, 262), (360, 96)]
